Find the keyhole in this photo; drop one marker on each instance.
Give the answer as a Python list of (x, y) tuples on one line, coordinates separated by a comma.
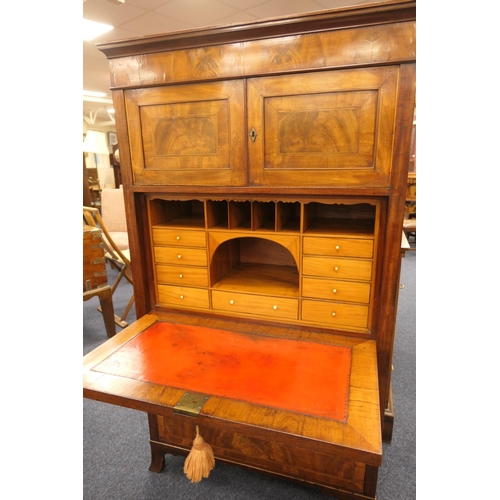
[(253, 134)]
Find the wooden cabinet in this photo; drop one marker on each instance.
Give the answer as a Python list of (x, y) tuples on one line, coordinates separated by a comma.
[(264, 170)]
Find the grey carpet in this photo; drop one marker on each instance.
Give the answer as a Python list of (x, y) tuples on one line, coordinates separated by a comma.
[(116, 447)]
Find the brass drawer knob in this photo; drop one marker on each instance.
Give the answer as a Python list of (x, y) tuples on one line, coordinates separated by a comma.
[(180, 275), (334, 290), (231, 301), (182, 296), (335, 268), (337, 248), (179, 256), (333, 314), (177, 238), (275, 308)]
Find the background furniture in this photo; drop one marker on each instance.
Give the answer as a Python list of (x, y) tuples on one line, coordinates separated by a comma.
[(115, 164), (290, 243), (410, 220), (119, 258), (95, 281)]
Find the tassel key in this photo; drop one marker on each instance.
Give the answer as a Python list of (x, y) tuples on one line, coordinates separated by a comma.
[(200, 460)]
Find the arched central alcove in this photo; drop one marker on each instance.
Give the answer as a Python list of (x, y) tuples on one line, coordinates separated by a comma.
[(256, 265)]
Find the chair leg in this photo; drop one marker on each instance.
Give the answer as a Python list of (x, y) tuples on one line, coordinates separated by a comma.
[(120, 321), (127, 310), (124, 273), (106, 301), (121, 274)]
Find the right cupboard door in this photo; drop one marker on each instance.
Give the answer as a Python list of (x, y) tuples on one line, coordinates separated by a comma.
[(331, 128)]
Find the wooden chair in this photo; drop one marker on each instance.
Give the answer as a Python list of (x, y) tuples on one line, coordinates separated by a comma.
[(117, 258)]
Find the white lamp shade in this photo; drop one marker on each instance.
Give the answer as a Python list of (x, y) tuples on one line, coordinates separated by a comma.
[(95, 142)]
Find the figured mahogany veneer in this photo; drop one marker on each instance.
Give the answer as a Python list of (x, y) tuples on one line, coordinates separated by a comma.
[(264, 170)]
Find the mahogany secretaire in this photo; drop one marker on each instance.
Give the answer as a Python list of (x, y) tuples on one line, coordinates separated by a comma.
[(264, 168)]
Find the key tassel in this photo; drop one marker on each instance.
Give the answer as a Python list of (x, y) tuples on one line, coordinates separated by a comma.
[(200, 460)]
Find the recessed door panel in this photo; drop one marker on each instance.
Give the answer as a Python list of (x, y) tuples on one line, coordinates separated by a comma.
[(188, 134), (332, 128)]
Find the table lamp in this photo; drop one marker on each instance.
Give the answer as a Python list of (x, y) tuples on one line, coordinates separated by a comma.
[(95, 142)]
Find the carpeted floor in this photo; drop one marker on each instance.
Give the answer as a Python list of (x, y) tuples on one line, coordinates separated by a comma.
[(116, 452)]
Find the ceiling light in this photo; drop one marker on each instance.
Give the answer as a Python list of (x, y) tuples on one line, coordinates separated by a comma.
[(92, 29), (91, 93)]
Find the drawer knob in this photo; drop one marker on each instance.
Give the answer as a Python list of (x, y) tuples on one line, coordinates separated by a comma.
[(337, 248), (333, 314), (335, 268), (179, 256), (334, 290), (177, 238), (231, 301), (275, 308), (180, 275), (182, 296)]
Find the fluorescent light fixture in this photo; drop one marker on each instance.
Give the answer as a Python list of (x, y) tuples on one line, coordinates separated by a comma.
[(92, 29), (91, 93)]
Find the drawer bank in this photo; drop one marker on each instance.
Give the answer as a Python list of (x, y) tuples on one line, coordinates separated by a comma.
[(264, 170)]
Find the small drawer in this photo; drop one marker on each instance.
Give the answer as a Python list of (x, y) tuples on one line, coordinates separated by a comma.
[(338, 247), (329, 267), (180, 275), (343, 291), (257, 305), (183, 296), (335, 314), (181, 237), (181, 256)]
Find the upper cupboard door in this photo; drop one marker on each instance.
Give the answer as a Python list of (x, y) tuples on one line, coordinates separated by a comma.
[(332, 128), (191, 134)]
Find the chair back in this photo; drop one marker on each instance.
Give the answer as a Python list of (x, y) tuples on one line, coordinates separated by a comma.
[(113, 215)]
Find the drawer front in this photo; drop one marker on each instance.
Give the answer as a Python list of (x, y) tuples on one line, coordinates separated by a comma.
[(181, 256), (335, 314), (343, 291), (338, 247), (329, 267), (181, 237), (183, 296), (179, 275), (260, 305)]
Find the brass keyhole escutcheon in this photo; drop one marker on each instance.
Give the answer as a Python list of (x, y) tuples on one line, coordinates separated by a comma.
[(253, 134)]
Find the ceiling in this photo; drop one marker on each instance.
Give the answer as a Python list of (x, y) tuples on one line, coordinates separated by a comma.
[(134, 18)]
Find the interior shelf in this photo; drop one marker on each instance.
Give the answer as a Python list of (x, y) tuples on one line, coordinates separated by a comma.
[(184, 222), (262, 279), (341, 227), (350, 219)]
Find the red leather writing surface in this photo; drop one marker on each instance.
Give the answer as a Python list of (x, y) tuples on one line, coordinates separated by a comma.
[(291, 375)]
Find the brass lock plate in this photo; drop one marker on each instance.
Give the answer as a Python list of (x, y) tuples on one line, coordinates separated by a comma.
[(191, 404)]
